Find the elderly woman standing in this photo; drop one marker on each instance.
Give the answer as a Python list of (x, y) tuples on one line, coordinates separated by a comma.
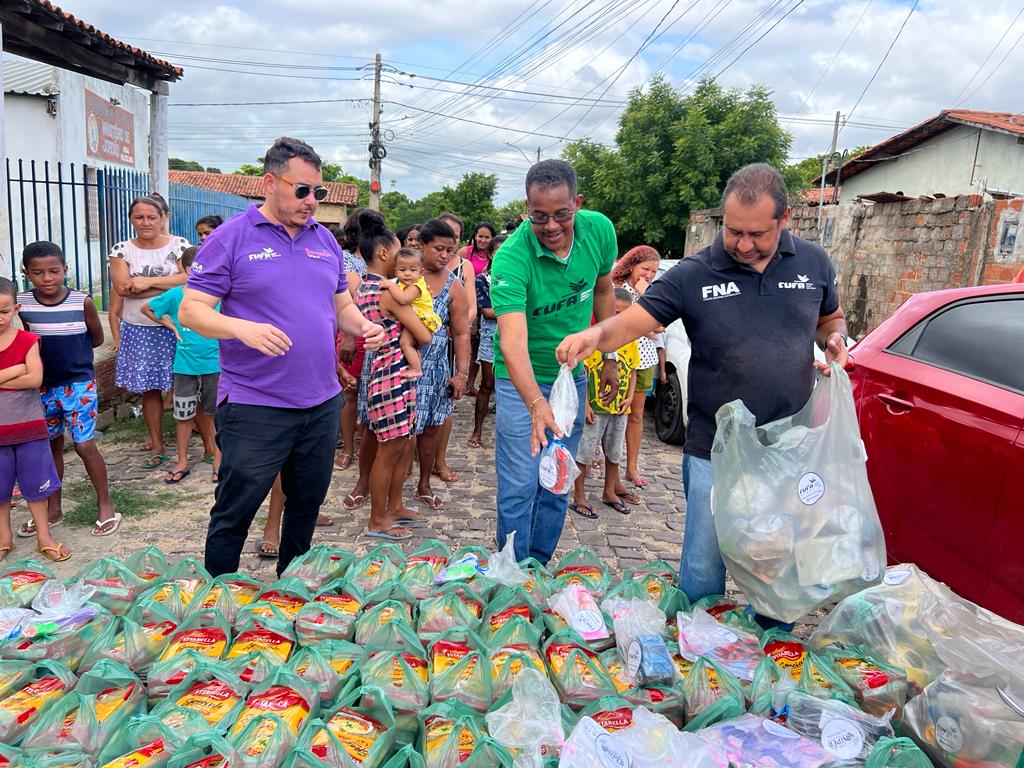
[(635, 271), (439, 385), (141, 268)]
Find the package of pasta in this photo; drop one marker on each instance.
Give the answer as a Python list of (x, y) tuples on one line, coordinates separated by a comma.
[(516, 630), (577, 672), (423, 565), (227, 594), (706, 685), (460, 669), (86, 718), (821, 680), (284, 694), (209, 635), (148, 563), (343, 656), (321, 564), (116, 586), (286, 595), (57, 637), (372, 629), (146, 741), (451, 605), (613, 713), (264, 740), (309, 664), (20, 582), (362, 724), (879, 687), (134, 645), (206, 750), (582, 567), (403, 675), (787, 651), (331, 614), (22, 706), (538, 585), (449, 732), (506, 604), (394, 635), (507, 661), (730, 647), (575, 605), (382, 563), (213, 691), (271, 636)]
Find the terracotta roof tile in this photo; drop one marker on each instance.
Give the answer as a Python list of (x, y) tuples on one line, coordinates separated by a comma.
[(252, 186)]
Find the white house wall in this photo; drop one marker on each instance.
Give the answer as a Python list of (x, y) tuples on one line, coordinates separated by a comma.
[(945, 164)]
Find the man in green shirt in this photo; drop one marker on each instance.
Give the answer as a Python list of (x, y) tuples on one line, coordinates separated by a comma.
[(547, 280)]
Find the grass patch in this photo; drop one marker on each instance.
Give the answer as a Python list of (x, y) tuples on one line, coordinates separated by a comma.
[(133, 430), (129, 502)]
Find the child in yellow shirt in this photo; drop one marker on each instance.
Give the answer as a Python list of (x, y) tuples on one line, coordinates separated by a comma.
[(411, 289)]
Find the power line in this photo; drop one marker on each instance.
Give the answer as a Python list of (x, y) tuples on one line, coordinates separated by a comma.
[(475, 122), (882, 62), (994, 69), (760, 38)]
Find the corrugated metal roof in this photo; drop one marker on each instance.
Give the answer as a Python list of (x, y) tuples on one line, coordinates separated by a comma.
[(31, 78)]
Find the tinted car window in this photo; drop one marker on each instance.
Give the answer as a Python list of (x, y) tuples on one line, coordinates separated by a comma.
[(980, 339)]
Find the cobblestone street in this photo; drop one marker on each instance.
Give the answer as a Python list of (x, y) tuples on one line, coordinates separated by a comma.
[(175, 516)]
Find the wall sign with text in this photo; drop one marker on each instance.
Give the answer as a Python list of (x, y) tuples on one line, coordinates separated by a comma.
[(109, 131)]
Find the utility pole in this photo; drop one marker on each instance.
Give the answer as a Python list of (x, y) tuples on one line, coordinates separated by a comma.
[(826, 167), (377, 151)]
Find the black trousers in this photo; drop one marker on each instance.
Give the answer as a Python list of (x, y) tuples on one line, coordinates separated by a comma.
[(257, 442)]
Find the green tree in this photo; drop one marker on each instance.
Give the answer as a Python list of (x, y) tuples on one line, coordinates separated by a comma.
[(801, 175), (248, 169), (512, 211), (177, 164), (472, 199), (673, 153), (214, 170)]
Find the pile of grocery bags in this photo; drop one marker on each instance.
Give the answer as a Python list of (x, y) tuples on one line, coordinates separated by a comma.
[(432, 659)]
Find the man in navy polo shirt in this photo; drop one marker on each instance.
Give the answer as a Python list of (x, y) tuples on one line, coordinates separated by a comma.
[(753, 303), (279, 278)]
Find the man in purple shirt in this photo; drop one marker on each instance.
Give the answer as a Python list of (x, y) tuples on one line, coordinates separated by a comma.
[(279, 278)]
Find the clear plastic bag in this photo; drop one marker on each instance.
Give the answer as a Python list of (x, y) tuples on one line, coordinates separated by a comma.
[(503, 568), (531, 720), (638, 625), (729, 647), (845, 732), (753, 741), (558, 468), (580, 611), (794, 513), (650, 742)]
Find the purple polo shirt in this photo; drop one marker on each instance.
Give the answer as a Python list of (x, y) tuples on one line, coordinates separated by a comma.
[(260, 273)]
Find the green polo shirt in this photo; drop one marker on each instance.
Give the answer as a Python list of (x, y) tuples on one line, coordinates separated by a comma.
[(557, 297)]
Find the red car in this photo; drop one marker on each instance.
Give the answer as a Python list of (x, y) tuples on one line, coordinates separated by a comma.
[(940, 394)]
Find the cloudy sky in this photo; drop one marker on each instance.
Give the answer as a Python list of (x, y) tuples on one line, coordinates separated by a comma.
[(549, 70)]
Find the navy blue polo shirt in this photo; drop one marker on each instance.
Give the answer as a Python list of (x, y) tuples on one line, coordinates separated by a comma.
[(751, 333)]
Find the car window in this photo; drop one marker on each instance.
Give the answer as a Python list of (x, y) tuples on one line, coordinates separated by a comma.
[(980, 339)]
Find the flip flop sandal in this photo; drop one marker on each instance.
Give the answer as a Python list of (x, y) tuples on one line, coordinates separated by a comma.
[(431, 501), (322, 521), (262, 550), (583, 510), (116, 520), (411, 522), (473, 443), (353, 501), (387, 536), (343, 461), (618, 506), (643, 482), (215, 476), (177, 476), (630, 498), (155, 461), (28, 530), (54, 553), (453, 477), (4, 551)]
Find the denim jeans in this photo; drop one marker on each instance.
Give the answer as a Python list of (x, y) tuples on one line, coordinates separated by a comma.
[(701, 570), (524, 506)]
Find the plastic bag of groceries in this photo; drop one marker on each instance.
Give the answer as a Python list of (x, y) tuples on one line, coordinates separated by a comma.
[(897, 753), (712, 693), (460, 669), (360, 732), (311, 665), (531, 721), (845, 732), (116, 586), (896, 621), (449, 732), (423, 566), (264, 740), (794, 513), (638, 626), (318, 566), (729, 647), (148, 563), (451, 605), (134, 645), (577, 607), (750, 740), (227, 594), (877, 686), (23, 705), (577, 672), (406, 757), (213, 691), (205, 750), (20, 581), (331, 614), (382, 563), (147, 741), (403, 675), (558, 470)]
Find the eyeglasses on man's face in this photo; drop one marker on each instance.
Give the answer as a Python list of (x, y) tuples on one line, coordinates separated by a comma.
[(302, 190), (562, 216)]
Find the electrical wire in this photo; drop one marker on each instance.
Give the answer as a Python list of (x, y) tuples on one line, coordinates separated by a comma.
[(994, 69), (765, 34)]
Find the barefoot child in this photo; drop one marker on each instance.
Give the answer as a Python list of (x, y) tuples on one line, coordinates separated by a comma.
[(411, 289), (196, 373), (606, 424), (70, 328), (25, 454)]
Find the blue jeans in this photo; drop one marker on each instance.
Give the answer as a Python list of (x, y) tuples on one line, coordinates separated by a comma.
[(701, 570), (524, 506)]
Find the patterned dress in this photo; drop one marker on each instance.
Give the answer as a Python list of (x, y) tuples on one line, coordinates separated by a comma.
[(390, 399), (435, 405)]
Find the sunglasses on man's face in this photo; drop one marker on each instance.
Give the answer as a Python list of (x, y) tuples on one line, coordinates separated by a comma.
[(302, 190)]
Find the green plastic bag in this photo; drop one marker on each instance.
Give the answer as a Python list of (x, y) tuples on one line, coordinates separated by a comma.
[(406, 757), (20, 582), (284, 694), (205, 750), (272, 637), (516, 630), (897, 753), (372, 629), (766, 674), (320, 565), (452, 605), (706, 684), (116, 586), (286, 595), (423, 566), (9, 756), (331, 614), (613, 713), (879, 687), (449, 733), (264, 740), (362, 726), (208, 634), (582, 567), (213, 691), (507, 603), (64, 758), (382, 563), (14, 674), (507, 661), (190, 575), (165, 675), (725, 708), (148, 563), (821, 680), (460, 669), (728, 611), (146, 741), (252, 668), (577, 672), (22, 707), (659, 568), (169, 596), (309, 664), (134, 645), (403, 676), (227, 595), (489, 754), (394, 635)]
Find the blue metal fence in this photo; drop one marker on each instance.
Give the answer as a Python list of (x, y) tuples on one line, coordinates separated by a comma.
[(189, 204)]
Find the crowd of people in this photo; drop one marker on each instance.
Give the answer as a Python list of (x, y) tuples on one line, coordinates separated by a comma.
[(294, 350)]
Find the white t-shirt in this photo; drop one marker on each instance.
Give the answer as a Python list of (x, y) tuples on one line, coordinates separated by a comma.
[(147, 262), (648, 350)]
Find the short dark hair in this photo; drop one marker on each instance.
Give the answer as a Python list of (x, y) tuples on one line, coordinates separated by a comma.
[(284, 149), (156, 202), (189, 255), (434, 229), (8, 288), (404, 232), (484, 225), (496, 242), (40, 250), (621, 294), (449, 216), (753, 181), (410, 253), (551, 173), (373, 233), (212, 221)]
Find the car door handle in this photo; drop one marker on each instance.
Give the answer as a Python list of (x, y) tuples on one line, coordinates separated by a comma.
[(896, 403)]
